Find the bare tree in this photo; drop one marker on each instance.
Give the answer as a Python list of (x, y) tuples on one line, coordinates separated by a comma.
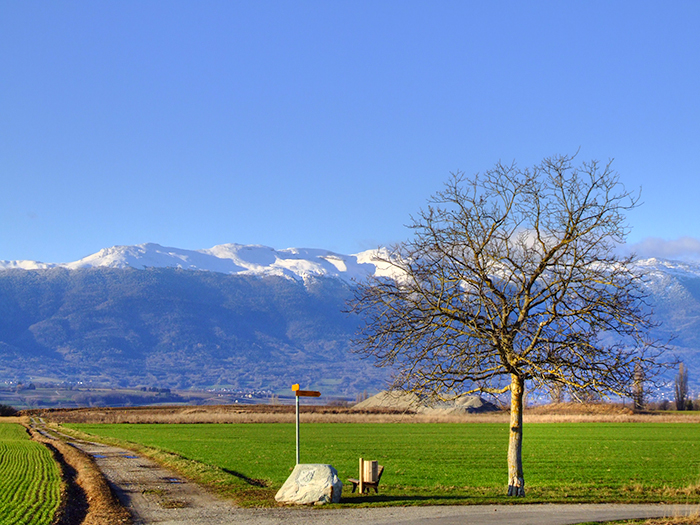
[(638, 390), (556, 392), (511, 278), (681, 390)]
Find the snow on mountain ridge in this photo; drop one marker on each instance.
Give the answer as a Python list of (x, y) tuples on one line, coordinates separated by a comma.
[(25, 265), (665, 266), (293, 263)]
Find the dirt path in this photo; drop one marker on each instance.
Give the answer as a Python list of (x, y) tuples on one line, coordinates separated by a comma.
[(149, 492), (154, 495)]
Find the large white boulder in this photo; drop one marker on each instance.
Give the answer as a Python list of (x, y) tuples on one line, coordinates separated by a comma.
[(311, 484)]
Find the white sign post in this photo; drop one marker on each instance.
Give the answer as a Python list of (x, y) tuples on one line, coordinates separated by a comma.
[(302, 393)]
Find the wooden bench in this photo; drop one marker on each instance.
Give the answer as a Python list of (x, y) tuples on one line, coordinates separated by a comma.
[(370, 475)]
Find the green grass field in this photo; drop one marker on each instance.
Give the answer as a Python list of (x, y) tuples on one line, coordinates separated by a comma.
[(440, 463), (30, 480)]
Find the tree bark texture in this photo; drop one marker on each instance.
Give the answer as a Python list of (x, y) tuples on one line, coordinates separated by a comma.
[(516, 480)]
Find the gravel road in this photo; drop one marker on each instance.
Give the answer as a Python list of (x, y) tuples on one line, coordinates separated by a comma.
[(155, 495)]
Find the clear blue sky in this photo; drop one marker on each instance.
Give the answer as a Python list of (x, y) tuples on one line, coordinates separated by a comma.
[(326, 124)]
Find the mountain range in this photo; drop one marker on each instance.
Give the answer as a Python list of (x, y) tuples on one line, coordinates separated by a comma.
[(233, 316), (231, 259)]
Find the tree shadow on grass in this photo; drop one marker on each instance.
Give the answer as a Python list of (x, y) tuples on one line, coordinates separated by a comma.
[(250, 481)]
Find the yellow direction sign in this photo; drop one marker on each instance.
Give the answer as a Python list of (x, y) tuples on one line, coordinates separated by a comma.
[(302, 393), (305, 393), (308, 393)]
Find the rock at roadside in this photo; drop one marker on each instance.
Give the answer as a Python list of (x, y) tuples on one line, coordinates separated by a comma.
[(311, 484)]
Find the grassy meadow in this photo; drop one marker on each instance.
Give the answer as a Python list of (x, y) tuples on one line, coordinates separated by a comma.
[(434, 463), (30, 480)]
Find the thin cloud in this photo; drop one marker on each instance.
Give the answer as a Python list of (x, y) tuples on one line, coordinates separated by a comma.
[(683, 248)]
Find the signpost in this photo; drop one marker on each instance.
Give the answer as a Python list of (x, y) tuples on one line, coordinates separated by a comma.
[(302, 393)]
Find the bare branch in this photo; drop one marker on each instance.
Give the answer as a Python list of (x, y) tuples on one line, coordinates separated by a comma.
[(512, 272)]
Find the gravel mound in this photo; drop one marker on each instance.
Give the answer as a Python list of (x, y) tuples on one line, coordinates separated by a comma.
[(410, 402)]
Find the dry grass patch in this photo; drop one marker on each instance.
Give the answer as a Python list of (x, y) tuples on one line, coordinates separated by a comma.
[(252, 414), (13, 419), (603, 413), (676, 520), (693, 519), (560, 413)]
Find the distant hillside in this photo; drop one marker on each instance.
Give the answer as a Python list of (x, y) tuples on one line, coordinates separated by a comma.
[(674, 289), (242, 317), (177, 328)]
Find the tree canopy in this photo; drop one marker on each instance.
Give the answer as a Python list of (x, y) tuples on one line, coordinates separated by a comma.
[(512, 276)]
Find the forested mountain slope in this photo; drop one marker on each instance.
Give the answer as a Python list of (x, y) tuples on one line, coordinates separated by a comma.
[(178, 328)]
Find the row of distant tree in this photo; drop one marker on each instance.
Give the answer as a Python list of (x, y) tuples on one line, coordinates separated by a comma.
[(21, 387), (682, 399), (7, 410), (681, 395)]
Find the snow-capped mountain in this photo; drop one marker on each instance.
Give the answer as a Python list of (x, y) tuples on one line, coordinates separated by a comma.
[(244, 316), (668, 281), (654, 267), (294, 263)]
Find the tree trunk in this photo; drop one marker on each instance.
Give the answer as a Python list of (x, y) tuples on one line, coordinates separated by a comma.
[(516, 481)]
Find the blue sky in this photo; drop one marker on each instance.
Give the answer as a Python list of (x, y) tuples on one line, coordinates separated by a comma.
[(327, 124)]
